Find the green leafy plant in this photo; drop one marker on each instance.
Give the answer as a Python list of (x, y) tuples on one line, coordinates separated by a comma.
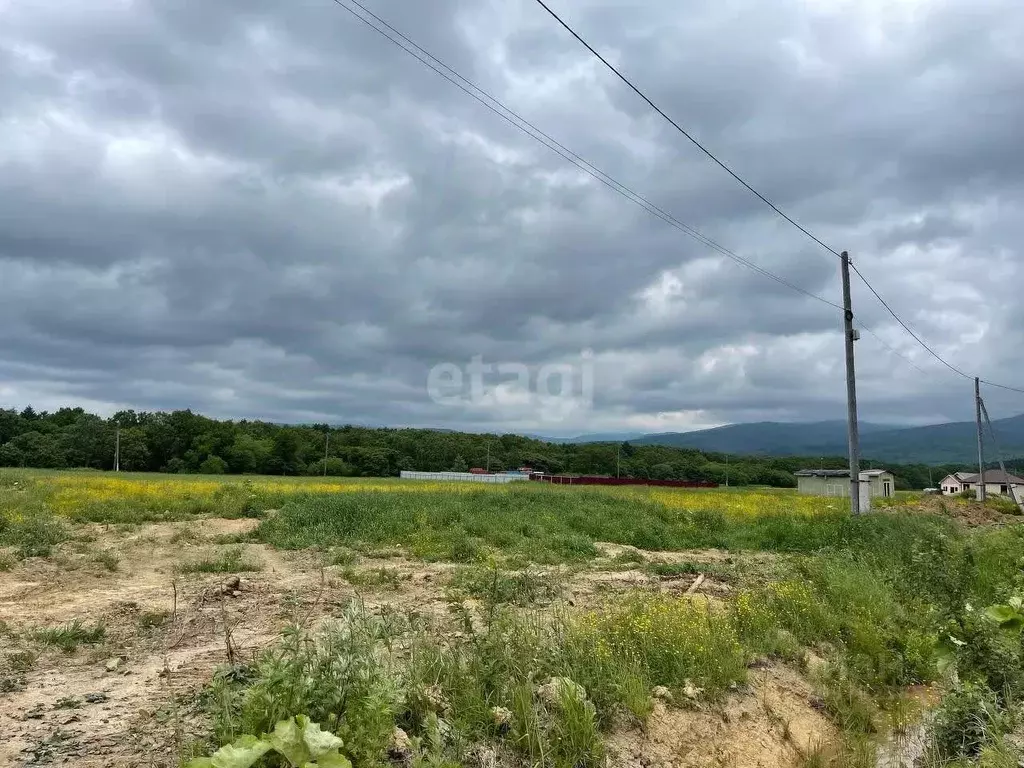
[(301, 742), (1008, 616)]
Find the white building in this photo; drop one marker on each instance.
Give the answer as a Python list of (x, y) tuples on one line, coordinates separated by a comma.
[(996, 483), (464, 477), (953, 484), (874, 483)]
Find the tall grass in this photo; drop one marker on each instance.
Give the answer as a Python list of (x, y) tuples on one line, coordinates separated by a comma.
[(561, 525)]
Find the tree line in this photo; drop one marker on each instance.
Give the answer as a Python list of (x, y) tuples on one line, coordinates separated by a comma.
[(186, 442)]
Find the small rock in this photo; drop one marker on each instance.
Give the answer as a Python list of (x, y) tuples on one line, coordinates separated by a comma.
[(661, 692), (434, 698), (113, 664), (484, 757), (552, 691), (237, 593), (400, 747), (691, 691), (816, 703), (69, 719), (234, 584), (501, 717)]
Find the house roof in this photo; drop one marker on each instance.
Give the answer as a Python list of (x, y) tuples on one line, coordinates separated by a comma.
[(995, 476), (957, 477), (839, 473)]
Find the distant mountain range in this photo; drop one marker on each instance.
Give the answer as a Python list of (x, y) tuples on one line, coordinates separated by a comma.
[(934, 444)]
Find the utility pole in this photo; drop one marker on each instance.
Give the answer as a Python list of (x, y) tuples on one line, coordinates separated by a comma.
[(979, 490), (999, 454), (851, 387), (327, 442), (117, 447), (727, 470), (488, 456)]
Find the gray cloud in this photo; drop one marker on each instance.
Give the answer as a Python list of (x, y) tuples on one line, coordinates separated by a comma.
[(268, 212)]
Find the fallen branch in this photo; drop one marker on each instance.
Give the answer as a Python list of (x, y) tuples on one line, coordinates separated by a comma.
[(696, 584)]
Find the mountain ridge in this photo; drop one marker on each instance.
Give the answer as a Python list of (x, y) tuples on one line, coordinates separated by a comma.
[(951, 442)]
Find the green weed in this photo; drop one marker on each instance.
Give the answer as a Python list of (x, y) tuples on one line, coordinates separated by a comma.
[(67, 637), (388, 578), (230, 561), (495, 587), (107, 559)]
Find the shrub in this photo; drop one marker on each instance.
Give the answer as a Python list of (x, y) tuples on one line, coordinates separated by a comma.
[(968, 719), (343, 680), (213, 465)]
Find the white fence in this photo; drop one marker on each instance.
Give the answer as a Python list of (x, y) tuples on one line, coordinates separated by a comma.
[(463, 477)]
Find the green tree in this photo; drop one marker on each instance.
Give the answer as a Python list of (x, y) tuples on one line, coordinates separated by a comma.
[(213, 465)]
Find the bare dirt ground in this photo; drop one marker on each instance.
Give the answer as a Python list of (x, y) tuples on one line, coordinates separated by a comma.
[(969, 512), (114, 703)]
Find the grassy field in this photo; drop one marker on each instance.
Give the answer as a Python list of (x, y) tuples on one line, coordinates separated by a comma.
[(523, 624)]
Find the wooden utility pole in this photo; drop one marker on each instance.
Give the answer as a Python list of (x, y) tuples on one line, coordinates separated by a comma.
[(979, 491), (327, 442), (851, 387)]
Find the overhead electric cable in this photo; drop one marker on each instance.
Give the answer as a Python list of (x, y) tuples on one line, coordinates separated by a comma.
[(510, 116), (686, 133)]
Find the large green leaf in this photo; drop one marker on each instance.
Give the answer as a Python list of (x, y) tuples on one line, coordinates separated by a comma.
[(333, 760), (318, 742), (241, 753), (1005, 616), (287, 739)]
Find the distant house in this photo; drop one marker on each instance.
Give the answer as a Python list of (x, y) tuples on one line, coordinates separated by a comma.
[(836, 482), (954, 483), (997, 483)]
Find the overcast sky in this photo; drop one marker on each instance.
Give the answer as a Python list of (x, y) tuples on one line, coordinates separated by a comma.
[(259, 209)]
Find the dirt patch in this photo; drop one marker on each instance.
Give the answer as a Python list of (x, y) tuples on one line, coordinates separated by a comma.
[(125, 701), (967, 511), (771, 724)]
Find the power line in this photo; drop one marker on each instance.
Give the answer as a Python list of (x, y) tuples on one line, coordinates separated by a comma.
[(685, 133), (758, 194), (503, 111), (893, 350), (907, 328), (918, 339), (524, 125)]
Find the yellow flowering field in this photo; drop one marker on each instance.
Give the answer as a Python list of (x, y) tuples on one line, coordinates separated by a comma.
[(135, 497)]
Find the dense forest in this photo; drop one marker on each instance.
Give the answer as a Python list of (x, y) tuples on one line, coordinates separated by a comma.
[(185, 442)]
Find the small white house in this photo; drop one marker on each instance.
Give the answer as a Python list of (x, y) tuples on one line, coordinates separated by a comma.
[(953, 484), (874, 483)]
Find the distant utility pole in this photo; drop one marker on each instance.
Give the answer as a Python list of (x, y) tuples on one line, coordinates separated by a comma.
[(979, 491), (327, 442), (851, 387), (117, 447)]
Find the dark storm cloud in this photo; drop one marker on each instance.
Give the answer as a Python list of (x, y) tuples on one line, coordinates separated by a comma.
[(268, 212)]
